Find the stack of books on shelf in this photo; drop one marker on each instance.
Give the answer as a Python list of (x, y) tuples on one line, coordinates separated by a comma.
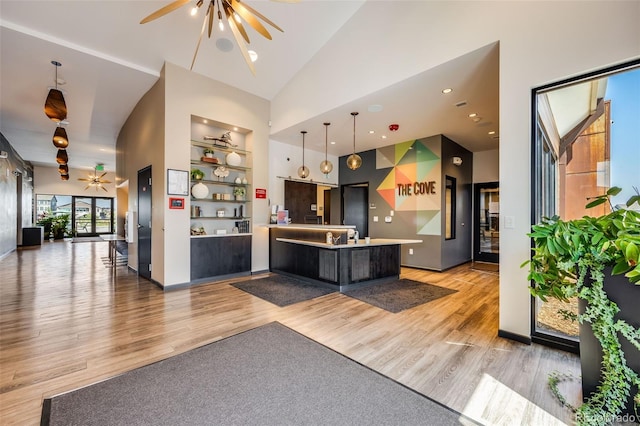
[(243, 226)]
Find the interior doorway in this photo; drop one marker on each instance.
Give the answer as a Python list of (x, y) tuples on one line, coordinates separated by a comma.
[(486, 235), (144, 222), (355, 202)]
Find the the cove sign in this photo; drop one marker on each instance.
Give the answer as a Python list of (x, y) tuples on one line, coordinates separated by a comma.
[(416, 188)]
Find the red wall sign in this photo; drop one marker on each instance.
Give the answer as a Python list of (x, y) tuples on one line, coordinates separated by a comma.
[(261, 193)]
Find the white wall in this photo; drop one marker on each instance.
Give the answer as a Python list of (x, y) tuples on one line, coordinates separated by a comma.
[(486, 166), (540, 42)]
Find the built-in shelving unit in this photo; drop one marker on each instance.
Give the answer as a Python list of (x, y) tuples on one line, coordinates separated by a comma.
[(220, 219)]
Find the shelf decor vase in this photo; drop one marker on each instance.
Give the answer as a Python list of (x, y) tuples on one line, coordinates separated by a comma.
[(199, 190), (233, 159)]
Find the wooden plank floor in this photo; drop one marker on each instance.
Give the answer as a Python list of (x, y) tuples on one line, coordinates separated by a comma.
[(65, 322)]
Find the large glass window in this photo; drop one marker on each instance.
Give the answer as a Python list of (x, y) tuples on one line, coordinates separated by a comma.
[(584, 142)]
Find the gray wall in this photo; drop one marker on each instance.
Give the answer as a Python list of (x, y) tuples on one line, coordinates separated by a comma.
[(12, 219), (434, 252)]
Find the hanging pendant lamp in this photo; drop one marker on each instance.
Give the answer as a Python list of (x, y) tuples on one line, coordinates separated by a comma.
[(62, 157), (63, 169), (64, 177), (326, 166), (54, 107), (60, 139), (354, 161), (303, 171)]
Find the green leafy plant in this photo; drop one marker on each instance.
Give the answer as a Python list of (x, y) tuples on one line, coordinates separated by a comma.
[(564, 253), (208, 151), (197, 174), (56, 225), (240, 191)]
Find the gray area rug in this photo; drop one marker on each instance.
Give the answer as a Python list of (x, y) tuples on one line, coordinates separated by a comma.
[(282, 290), (396, 296), (270, 375)]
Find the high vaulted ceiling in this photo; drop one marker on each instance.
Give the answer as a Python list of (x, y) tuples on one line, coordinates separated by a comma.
[(109, 61)]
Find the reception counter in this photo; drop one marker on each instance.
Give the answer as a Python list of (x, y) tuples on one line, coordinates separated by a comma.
[(302, 252)]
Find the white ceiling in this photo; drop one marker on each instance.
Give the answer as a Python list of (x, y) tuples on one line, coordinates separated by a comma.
[(109, 61)]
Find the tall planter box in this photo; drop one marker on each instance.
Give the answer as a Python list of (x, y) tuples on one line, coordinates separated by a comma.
[(627, 296)]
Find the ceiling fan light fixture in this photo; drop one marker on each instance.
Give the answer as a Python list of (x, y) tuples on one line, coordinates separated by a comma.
[(62, 157), (303, 171), (354, 161), (54, 106), (326, 167), (60, 139)]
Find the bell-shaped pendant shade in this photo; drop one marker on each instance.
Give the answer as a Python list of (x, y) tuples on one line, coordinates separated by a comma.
[(62, 157), (54, 107), (64, 177), (63, 169), (60, 139)]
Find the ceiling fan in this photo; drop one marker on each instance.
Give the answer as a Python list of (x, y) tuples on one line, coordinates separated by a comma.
[(234, 11), (95, 180)]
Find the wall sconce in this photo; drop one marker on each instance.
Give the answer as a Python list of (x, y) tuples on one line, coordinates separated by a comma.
[(457, 161)]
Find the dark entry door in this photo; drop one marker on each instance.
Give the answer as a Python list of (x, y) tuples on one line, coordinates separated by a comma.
[(486, 235), (355, 199), (144, 222)]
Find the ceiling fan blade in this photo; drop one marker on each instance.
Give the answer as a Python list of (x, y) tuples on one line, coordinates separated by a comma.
[(228, 11), (210, 13), (85, 180), (164, 10), (105, 181), (241, 10), (204, 25), (261, 16), (102, 175), (105, 189), (241, 45), (87, 187)]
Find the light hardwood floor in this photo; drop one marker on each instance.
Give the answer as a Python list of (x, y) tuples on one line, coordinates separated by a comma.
[(66, 323)]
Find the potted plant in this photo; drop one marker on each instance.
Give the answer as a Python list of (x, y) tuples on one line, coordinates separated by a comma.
[(239, 193), (197, 174), (577, 258), (208, 152)]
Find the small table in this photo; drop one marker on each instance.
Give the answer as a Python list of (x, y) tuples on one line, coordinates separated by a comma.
[(113, 240)]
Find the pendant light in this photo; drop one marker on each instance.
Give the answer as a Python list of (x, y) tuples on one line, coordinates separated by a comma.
[(326, 166), (62, 157), (60, 139), (64, 177), (354, 161), (63, 169), (303, 171), (54, 106)]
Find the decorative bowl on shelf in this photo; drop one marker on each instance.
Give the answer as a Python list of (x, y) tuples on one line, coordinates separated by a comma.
[(233, 159)]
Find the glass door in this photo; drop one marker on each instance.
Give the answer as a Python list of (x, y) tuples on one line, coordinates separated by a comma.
[(92, 216), (487, 222)]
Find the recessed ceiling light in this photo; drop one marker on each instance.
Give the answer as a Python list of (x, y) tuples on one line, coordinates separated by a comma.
[(374, 108), (333, 142), (371, 132), (205, 121), (383, 136), (492, 132), (253, 55), (473, 114), (447, 90), (235, 129)]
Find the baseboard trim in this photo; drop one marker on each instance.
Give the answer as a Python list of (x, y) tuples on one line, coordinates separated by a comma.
[(513, 336)]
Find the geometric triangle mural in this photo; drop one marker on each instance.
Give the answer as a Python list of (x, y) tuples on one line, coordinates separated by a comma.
[(413, 181)]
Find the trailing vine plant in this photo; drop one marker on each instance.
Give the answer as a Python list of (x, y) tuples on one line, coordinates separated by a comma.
[(564, 253)]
